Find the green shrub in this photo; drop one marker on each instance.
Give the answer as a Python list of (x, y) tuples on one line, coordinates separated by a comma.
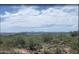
[(19, 42), (47, 38)]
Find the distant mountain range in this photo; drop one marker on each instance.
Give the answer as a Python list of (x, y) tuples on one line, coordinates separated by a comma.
[(33, 33)]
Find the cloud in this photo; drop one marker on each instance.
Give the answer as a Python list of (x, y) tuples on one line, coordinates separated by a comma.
[(44, 20), (72, 9)]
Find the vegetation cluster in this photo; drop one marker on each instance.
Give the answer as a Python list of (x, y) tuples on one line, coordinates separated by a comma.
[(46, 43)]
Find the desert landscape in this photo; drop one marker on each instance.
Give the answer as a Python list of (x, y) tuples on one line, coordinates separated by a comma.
[(39, 43)]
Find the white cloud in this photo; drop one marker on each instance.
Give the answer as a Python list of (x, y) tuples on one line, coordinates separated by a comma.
[(72, 9), (7, 14), (29, 17)]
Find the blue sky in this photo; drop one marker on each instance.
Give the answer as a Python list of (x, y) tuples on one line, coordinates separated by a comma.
[(38, 18)]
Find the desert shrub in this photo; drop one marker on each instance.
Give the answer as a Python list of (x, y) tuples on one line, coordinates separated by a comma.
[(19, 42), (33, 42), (7, 42), (47, 38), (1, 42), (75, 33), (58, 51)]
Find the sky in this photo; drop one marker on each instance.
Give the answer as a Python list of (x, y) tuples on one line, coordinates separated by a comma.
[(38, 18)]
